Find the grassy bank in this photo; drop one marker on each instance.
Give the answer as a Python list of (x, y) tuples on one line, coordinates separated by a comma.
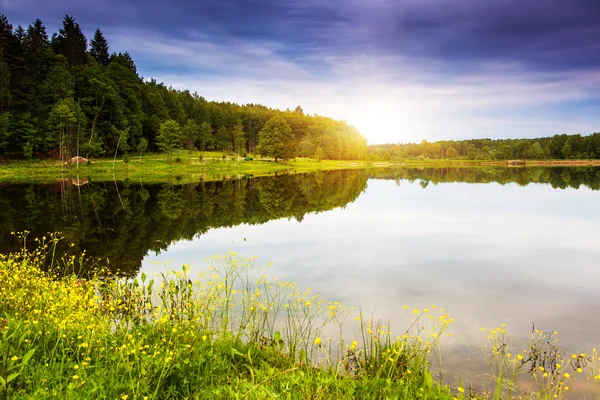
[(185, 166), (232, 332), (188, 167)]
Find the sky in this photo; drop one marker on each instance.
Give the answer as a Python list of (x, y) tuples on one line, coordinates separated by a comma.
[(398, 70)]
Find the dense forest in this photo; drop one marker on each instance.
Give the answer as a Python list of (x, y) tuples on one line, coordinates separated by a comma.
[(60, 96), (558, 147)]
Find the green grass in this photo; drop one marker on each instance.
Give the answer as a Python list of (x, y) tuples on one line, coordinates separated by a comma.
[(192, 166), (230, 332), (184, 166)]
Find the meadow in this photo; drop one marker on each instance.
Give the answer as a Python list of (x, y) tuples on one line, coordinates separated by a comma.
[(232, 331), (157, 167), (191, 166)]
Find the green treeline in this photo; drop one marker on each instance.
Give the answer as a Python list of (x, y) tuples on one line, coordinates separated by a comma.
[(62, 96), (123, 223), (557, 147)]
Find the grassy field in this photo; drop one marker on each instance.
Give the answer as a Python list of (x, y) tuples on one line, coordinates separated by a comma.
[(186, 166), (233, 332)]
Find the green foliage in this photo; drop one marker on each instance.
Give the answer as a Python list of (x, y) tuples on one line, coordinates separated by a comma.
[(99, 48), (38, 74), (239, 138), (222, 140), (169, 137), (66, 119), (451, 152), (71, 42), (578, 147), (318, 154), (4, 82), (275, 139), (5, 131), (205, 136), (28, 151), (142, 147), (191, 132), (92, 148)]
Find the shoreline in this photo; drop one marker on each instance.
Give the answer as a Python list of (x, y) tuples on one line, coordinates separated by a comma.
[(189, 168)]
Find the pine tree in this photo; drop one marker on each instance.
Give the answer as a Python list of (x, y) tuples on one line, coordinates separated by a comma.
[(99, 48), (71, 42), (36, 33), (7, 39), (35, 44), (13, 58), (4, 82), (20, 35)]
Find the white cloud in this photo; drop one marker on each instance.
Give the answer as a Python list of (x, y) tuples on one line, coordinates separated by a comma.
[(388, 98)]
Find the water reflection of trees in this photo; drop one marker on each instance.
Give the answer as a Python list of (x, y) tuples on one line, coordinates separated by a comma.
[(557, 177), (124, 221)]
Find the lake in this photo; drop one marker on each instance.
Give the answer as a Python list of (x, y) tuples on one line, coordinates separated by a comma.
[(515, 246)]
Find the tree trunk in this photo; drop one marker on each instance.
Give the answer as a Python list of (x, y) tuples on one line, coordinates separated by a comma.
[(92, 133)]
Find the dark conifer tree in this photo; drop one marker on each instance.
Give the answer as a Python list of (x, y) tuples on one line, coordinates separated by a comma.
[(70, 42), (99, 48), (37, 37), (20, 35), (7, 38)]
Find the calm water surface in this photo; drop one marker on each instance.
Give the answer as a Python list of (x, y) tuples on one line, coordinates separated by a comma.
[(491, 246)]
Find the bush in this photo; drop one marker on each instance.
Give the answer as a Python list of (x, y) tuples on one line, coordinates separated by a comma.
[(178, 160), (28, 150)]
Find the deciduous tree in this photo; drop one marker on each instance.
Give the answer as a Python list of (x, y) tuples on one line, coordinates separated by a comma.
[(169, 137), (275, 139)]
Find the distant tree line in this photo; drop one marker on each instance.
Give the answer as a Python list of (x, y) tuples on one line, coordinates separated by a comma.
[(60, 96), (559, 147)]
